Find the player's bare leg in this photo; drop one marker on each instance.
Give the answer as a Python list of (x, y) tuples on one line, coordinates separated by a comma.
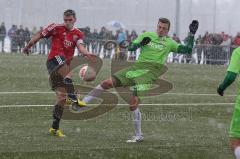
[(235, 147), (110, 83), (105, 85)]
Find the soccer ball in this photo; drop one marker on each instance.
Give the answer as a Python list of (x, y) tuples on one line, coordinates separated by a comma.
[(87, 73)]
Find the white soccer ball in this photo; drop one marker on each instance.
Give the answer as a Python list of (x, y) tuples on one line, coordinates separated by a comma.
[(87, 73)]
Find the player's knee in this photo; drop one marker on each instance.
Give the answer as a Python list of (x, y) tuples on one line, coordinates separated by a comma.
[(64, 70), (61, 101), (107, 84), (134, 102), (133, 107), (234, 143), (61, 97)]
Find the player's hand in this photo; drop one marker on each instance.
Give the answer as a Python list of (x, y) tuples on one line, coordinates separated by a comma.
[(90, 57), (193, 27), (26, 50), (220, 90), (145, 41)]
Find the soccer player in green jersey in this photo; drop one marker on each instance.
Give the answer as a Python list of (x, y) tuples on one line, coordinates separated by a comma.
[(232, 72), (155, 47)]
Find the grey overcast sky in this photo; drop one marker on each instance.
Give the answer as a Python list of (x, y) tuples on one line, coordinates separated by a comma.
[(214, 15)]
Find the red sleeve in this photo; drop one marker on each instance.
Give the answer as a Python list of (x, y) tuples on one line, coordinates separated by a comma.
[(80, 37), (48, 31)]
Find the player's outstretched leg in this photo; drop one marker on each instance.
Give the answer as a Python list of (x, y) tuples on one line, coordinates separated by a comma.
[(138, 136), (106, 84)]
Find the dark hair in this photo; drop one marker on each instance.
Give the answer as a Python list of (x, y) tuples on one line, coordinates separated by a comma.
[(166, 21), (70, 12)]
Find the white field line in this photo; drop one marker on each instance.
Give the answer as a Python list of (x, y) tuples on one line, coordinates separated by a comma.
[(144, 104), (179, 94)]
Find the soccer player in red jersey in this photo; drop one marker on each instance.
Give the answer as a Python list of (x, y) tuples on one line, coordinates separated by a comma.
[(64, 40)]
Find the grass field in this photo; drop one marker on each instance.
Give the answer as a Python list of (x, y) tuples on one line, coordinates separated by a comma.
[(189, 122)]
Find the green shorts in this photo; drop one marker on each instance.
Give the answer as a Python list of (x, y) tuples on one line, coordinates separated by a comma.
[(235, 123), (140, 75)]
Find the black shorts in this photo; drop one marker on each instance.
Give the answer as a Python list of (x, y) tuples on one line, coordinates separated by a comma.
[(55, 79), (55, 63)]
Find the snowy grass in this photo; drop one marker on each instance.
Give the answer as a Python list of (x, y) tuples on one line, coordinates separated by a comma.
[(175, 125)]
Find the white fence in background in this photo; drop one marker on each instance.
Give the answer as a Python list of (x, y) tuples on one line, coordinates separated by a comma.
[(202, 54)]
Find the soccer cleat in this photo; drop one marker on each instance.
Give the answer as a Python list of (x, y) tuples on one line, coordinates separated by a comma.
[(78, 102), (57, 133), (135, 139), (81, 103)]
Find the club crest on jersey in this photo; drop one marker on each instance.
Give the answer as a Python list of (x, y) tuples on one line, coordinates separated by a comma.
[(67, 43)]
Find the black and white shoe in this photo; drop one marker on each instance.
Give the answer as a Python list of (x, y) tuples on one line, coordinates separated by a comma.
[(135, 139)]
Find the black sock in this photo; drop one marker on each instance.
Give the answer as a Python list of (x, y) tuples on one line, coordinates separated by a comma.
[(57, 115), (70, 88)]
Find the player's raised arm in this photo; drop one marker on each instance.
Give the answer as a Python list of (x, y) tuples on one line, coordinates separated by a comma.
[(187, 48), (33, 41), (228, 80), (140, 41), (45, 33), (233, 70)]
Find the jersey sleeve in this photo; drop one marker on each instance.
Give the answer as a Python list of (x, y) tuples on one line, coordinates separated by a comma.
[(174, 45), (234, 65), (80, 37), (140, 38), (48, 31)]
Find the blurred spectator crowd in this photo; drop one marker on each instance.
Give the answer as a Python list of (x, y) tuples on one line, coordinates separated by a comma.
[(209, 48), (18, 38)]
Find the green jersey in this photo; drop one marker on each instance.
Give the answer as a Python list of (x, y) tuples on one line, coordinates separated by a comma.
[(232, 71), (157, 49), (152, 57), (234, 65)]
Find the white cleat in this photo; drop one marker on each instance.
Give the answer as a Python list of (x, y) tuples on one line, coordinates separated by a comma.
[(135, 139)]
